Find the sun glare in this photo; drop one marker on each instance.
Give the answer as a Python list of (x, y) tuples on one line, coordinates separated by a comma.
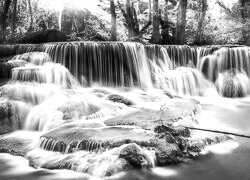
[(79, 4)]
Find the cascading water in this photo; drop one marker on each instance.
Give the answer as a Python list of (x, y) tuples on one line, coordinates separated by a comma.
[(44, 94), (108, 64)]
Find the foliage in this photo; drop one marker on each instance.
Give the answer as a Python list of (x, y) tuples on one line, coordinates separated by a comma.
[(225, 22)]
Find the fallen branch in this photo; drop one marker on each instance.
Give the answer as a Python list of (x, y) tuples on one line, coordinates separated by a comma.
[(218, 131)]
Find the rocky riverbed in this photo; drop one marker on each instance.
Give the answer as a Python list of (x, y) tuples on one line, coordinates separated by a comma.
[(54, 123)]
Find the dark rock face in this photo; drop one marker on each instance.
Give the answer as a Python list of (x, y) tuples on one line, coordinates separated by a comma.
[(135, 156), (7, 117), (168, 153), (120, 99), (6, 67), (176, 131), (51, 35)]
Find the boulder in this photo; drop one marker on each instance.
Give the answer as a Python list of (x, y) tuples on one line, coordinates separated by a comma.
[(136, 157), (50, 35), (119, 98)]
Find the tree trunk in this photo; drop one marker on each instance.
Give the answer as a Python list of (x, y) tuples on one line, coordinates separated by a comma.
[(155, 38), (31, 17), (113, 21), (14, 17), (245, 39), (181, 22), (131, 32), (200, 23), (3, 18), (164, 25)]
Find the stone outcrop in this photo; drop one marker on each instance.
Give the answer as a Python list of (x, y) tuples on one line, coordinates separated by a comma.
[(6, 67), (50, 35)]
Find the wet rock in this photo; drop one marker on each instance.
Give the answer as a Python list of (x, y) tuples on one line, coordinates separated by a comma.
[(18, 143), (174, 110), (175, 131), (135, 156), (120, 99), (73, 139), (168, 153), (233, 84), (8, 121), (6, 67), (107, 163), (200, 140)]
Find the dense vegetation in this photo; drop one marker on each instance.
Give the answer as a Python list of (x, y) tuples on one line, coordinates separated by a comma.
[(196, 22)]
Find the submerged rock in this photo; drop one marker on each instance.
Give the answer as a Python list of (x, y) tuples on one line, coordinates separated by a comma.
[(18, 143), (173, 110), (101, 164)]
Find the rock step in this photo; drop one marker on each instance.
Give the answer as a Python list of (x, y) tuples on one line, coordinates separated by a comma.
[(93, 139), (6, 67)]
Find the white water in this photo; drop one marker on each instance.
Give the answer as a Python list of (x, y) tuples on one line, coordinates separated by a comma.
[(47, 95)]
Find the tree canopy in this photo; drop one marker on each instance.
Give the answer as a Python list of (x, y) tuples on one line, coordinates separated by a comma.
[(195, 22)]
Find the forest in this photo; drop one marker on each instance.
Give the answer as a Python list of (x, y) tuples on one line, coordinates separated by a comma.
[(192, 22)]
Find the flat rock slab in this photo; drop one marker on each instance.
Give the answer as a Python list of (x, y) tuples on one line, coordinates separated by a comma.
[(67, 139), (173, 110), (19, 142)]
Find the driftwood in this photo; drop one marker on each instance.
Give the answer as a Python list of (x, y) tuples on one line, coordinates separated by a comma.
[(218, 131)]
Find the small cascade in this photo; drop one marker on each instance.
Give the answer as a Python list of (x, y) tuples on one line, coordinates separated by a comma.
[(108, 64), (182, 55), (36, 58), (49, 73), (233, 84), (225, 59)]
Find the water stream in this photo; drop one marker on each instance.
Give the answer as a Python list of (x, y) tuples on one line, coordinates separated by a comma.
[(71, 84)]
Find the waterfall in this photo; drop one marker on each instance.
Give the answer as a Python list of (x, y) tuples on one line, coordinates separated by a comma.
[(126, 64), (108, 64)]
